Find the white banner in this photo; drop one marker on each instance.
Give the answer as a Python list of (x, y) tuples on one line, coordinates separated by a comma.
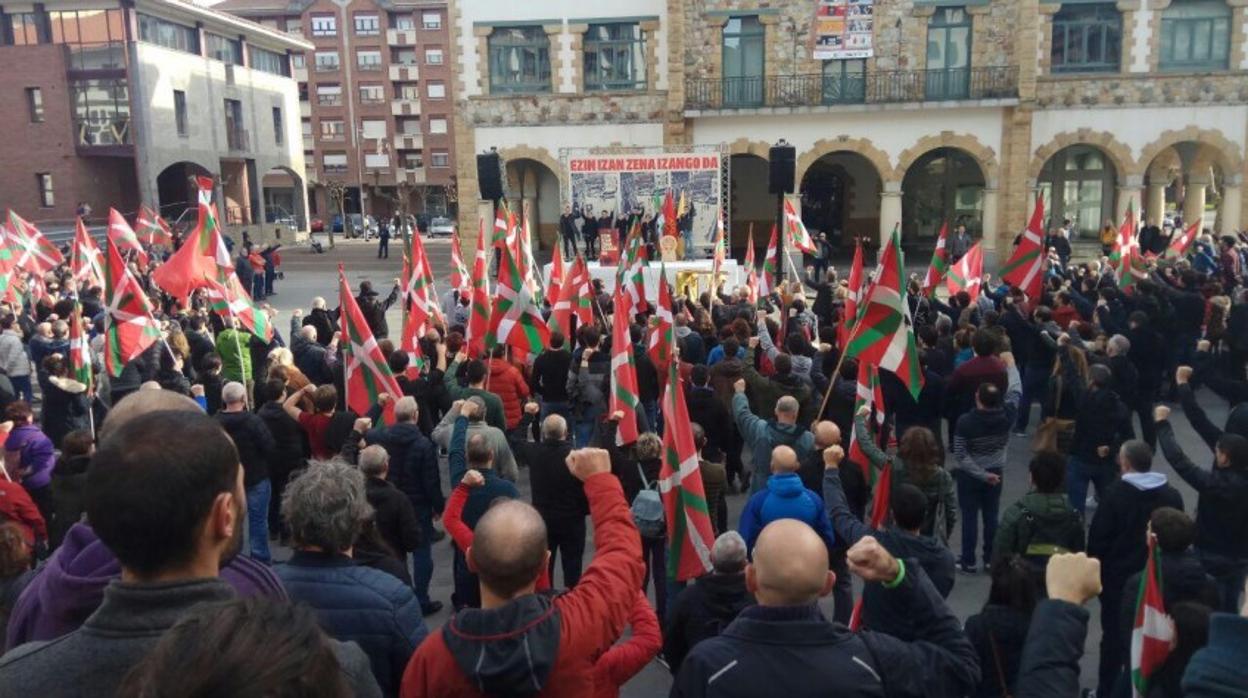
[(843, 29)]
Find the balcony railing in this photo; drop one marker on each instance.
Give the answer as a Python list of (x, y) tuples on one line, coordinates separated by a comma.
[(369, 67), (882, 87), (327, 67), (334, 169), (103, 131), (329, 100)]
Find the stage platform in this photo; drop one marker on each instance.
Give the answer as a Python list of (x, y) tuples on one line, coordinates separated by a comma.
[(679, 274)]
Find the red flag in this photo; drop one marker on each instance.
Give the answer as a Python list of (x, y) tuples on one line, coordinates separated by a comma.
[(556, 276), (669, 216), (479, 317), (770, 263), (575, 299), (230, 299), (751, 272), (1152, 637), (420, 306), (798, 234), (152, 229), (853, 296), (86, 262), (366, 374), (515, 319), (940, 262), (662, 326), (720, 253), (968, 274), (1025, 267), (689, 531), (129, 327), (625, 395), (1180, 243), (122, 236), (203, 254), (79, 351), (31, 250)]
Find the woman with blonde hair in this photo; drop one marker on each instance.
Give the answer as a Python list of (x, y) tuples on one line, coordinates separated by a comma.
[(282, 367)]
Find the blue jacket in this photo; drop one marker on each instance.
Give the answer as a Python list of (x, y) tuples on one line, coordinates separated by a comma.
[(784, 498), (1218, 668), (361, 605)]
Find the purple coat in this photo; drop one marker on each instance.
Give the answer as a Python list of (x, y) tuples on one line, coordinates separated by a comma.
[(69, 587), (38, 454)]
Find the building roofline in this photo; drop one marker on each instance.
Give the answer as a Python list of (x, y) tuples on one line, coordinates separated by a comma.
[(257, 34)]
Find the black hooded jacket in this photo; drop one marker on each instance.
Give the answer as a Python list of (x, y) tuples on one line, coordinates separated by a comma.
[(701, 611)]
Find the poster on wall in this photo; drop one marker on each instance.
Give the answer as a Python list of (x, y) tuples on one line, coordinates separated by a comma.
[(622, 184), (843, 29)]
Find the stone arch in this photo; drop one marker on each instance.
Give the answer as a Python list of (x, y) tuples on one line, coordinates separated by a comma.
[(982, 154), (1216, 149), (525, 152), (859, 146), (175, 194), (745, 146), (1117, 152)]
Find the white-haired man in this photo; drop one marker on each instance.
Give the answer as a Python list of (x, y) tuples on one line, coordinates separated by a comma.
[(710, 603), (255, 447), (557, 495), (394, 515), (325, 321)]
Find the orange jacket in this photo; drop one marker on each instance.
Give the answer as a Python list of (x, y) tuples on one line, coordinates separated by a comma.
[(591, 616)]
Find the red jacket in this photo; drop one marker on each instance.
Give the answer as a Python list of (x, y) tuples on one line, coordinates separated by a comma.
[(591, 616), (622, 662), (509, 385), (1064, 315), (17, 506), (453, 522)]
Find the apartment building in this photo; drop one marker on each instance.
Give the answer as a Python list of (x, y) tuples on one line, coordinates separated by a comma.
[(117, 103), (375, 101), (902, 112)]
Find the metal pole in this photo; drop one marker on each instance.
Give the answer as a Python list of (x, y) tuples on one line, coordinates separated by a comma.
[(779, 239)]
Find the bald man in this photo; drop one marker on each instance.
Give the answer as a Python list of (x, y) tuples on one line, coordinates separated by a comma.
[(764, 435), (523, 643), (784, 498), (827, 436), (784, 646)]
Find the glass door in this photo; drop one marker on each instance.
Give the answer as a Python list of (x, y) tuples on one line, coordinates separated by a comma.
[(948, 55), (744, 43)]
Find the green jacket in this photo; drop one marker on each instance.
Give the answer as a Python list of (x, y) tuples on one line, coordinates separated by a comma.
[(765, 392), (942, 501), (234, 348), (1054, 527), (494, 414)]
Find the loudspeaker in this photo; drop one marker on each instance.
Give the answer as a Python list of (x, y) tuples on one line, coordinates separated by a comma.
[(783, 163), (490, 176)]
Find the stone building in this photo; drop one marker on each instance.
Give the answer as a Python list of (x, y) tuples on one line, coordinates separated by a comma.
[(949, 110), (376, 114), (118, 102)]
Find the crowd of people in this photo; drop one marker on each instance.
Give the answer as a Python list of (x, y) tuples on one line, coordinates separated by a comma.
[(217, 521)]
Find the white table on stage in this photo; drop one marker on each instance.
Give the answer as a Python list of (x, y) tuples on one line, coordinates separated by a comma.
[(730, 269)]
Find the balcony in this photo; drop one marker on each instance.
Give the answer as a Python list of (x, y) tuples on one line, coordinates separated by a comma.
[(329, 100), (401, 37), (404, 73), (299, 74), (409, 142), (237, 139), (405, 107), (368, 67), (326, 67), (334, 169), (413, 176), (884, 87)]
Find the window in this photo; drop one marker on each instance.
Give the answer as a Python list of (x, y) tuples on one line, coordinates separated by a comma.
[(948, 54), (373, 128), (298, 61), (332, 129), (371, 94), (324, 25), (519, 60), (431, 20), (334, 163), (615, 57), (1195, 35), (329, 94), (413, 161), (95, 37), (440, 159), (326, 61), (270, 61), (409, 127), (403, 56), (367, 25), (744, 42), (844, 81), (437, 124), (437, 90), (179, 111), (46, 198), (377, 161), (34, 103), (278, 127), (235, 134), (101, 111), (402, 22), (409, 92), (1087, 38), (157, 31), (25, 27), (368, 60), (433, 56), (306, 126), (224, 49)]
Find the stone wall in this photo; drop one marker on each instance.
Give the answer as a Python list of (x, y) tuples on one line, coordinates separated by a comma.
[(545, 110), (1141, 90)]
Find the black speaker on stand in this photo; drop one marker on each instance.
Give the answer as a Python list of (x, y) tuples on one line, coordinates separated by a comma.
[(490, 176), (783, 159)]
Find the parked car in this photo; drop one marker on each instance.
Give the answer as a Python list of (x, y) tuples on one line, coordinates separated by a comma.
[(441, 226), (317, 226)]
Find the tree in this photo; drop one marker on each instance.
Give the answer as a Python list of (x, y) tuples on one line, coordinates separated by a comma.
[(337, 193)]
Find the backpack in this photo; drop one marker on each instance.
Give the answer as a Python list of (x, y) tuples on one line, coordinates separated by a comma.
[(1038, 540), (647, 510)]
